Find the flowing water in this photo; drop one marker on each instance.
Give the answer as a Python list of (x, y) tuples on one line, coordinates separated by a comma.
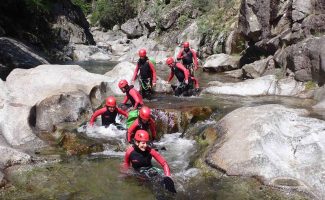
[(97, 176)]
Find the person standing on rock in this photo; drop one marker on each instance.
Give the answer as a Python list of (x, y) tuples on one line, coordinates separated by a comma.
[(188, 57), (183, 76), (130, 94), (108, 113), (143, 122), (147, 75)]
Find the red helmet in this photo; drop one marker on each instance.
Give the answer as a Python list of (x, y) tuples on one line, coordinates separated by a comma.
[(186, 44), (141, 136), (145, 113), (170, 60), (111, 101), (142, 53), (122, 83)]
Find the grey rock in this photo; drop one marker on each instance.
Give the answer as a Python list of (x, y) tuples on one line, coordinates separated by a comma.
[(14, 54), (132, 28), (67, 107), (221, 62), (275, 143)]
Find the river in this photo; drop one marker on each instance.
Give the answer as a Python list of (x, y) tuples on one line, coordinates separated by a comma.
[(97, 176)]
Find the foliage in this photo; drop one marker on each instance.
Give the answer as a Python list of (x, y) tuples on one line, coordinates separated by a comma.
[(84, 5), (182, 21), (38, 5), (310, 85), (218, 17), (111, 12)]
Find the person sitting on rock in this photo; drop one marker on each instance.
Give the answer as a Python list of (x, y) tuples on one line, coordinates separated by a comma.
[(183, 76), (147, 78), (131, 94), (108, 113), (143, 122), (188, 57)]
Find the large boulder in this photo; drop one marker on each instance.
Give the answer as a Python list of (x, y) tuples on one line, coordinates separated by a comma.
[(281, 146), (14, 54), (49, 80), (266, 85), (132, 28), (67, 107), (258, 68), (221, 62)]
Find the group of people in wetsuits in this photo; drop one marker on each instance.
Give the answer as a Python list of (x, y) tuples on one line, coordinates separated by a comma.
[(140, 153)]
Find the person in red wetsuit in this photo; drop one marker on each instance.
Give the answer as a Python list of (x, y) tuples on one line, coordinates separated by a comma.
[(188, 57), (143, 122), (183, 76), (108, 113), (139, 154), (131, 94), (147, 76)]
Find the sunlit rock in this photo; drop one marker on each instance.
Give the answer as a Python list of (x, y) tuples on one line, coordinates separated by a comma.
[(266, 85), (220, 63), (275, 143), (86, 53), (67, 107), (34, 85)]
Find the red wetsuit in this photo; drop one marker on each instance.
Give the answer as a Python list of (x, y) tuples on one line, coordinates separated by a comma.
[(188, 57), (107, 116), (134, 96), (181, 74), (138, 159), (147, 70), (139, 125)]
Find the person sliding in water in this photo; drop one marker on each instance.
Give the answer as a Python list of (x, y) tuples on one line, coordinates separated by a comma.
[(143, 122), (130, 94), (108, 113), (183, 76), (139, 156), (147, 78)]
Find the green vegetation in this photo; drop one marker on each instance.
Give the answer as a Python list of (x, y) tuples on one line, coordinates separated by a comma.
[(310, 85), (219, 16), (38, 5), (111, 12), (84, 5)]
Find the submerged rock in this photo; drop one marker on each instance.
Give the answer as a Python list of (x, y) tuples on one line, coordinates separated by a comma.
[(275, 143)]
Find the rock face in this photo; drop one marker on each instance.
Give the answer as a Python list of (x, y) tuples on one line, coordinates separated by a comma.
[(14, 54), (275, 143), (306, 59), (266, 85), (47, 29), (291, 31)]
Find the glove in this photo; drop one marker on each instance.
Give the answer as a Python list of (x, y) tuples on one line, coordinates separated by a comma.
[(169, 184), (186, 82), (153, 84)]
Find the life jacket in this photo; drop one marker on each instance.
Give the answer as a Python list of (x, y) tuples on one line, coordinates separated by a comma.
[(187, 57), (145, 70), (178, 73), (108, 117), (142, 126), (140, 158)]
